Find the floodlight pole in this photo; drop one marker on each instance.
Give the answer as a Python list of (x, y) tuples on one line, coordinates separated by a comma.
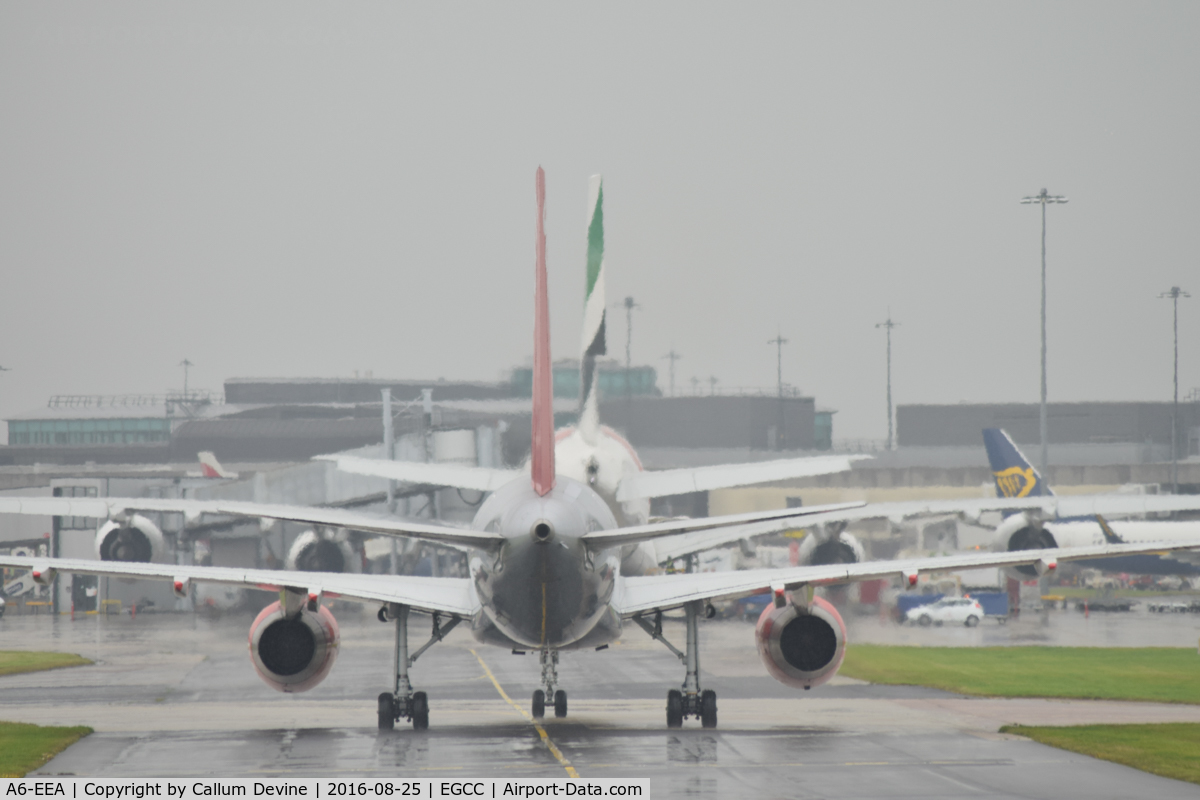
[(389, 454), (186, 365), (779, 342), (1173, 295), (889, 325), (629, 305), (672, 357), (1043, 197)]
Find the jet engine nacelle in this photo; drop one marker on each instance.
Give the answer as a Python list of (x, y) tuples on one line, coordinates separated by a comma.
[(1020, 532), (135, 539), (801, 647), (312, 552), (844, 548), (293, 655)]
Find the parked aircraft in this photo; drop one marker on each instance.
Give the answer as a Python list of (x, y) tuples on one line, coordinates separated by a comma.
[(544, 576), (595, 454), (1024, 530), (211, 468)]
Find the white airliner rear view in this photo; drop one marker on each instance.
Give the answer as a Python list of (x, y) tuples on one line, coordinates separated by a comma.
[(597, 455), (544, 575)]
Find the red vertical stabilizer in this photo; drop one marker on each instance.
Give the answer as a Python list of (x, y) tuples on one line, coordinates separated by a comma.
[(542, 454)]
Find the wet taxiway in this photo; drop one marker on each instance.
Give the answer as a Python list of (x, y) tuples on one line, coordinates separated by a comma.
[(175, 695)]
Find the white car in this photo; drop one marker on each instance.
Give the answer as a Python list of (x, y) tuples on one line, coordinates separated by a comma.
[(963, 610), (1, 605)]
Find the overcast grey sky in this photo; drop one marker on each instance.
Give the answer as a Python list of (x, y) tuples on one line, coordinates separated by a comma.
[(304, 189)]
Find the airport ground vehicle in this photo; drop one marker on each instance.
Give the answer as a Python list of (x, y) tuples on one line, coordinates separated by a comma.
[(958, 610)]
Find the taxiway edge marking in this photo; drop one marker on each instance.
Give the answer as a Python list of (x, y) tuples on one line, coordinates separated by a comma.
[(541, 731)]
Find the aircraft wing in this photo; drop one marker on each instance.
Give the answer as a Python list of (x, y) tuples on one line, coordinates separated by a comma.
[(660, 592), (1048, 507), (117, 507), (661, 483), (444, 595), (731, 527), (479, 479)]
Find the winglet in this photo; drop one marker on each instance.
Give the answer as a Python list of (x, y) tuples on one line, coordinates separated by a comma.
[(542, 451)]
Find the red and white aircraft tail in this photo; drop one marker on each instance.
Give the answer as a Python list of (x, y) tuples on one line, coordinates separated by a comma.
[(542, 453), (211, 468)]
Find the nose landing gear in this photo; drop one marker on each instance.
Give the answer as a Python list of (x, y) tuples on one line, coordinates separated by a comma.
[(558, 698)]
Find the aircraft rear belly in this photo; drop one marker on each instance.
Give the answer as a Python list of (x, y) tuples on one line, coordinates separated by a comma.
[(546, 594)]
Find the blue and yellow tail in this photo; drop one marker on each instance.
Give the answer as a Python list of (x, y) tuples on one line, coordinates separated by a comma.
[(1015, 476)]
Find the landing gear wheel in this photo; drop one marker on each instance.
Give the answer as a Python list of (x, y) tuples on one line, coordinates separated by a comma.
[(674, 709), (924, 620), (560, 704), (708, 708), (420, 711), (539, 704), (387, 712), (972, 621)]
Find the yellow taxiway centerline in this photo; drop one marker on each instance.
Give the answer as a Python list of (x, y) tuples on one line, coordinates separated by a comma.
[(541, 731)]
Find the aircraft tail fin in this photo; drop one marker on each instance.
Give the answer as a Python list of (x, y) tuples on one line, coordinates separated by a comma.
[(594, 317), (1110, 536), (211, 468), (1014, 475), (542, 450)]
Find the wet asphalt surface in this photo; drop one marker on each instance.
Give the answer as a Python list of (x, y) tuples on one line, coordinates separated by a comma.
[(175, 695)]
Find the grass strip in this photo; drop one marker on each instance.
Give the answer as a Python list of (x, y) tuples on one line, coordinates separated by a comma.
[(1153, 674), (25, 747), (14, 661), (1169, 749)]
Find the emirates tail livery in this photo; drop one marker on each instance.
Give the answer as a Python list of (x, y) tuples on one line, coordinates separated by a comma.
[(544, 575)]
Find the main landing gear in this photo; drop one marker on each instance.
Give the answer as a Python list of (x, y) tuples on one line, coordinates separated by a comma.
[(403, 702), (558, 698), (689, 700)]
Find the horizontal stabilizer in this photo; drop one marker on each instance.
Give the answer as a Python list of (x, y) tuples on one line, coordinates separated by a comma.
[(723, 476), (479, 479), (788, 518)]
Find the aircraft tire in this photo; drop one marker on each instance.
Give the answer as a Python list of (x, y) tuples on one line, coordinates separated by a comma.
[(708, 708), (560, 704), (387, 712), (674, 709), (420, 711), (539, 704)]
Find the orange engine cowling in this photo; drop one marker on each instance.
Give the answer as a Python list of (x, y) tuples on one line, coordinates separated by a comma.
[(293, 655), (801, 647)]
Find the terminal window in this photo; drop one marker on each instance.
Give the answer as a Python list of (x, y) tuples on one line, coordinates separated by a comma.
[(89, 431), (76, 523)]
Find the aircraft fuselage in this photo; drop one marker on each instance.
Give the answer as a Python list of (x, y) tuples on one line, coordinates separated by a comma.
[(543, 588)]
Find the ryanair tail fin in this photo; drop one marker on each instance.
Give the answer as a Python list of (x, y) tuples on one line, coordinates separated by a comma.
[(593, 315), (542, 453), (1015, 476)]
